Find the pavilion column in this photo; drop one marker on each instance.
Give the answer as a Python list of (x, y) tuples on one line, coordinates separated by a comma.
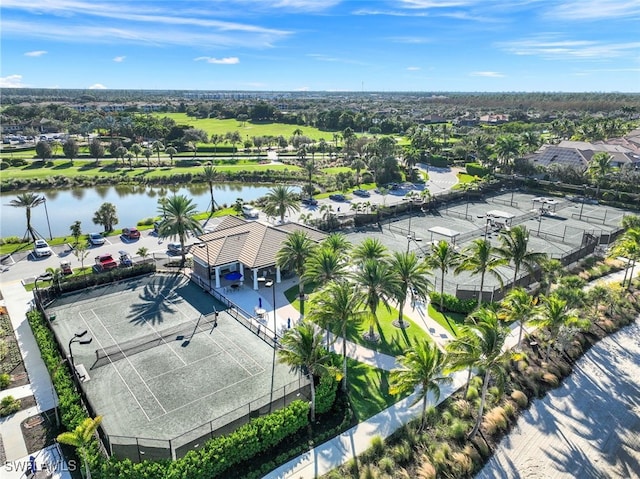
[(255, 279), (278, 279), (241, 267), (217, 270)]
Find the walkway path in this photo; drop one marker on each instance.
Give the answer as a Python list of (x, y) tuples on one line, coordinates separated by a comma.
[(18, 301), (335, 452)]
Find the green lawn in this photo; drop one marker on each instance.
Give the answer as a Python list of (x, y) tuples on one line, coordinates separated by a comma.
[(393, 341), (338, 169), (449, 321), (368, 389)]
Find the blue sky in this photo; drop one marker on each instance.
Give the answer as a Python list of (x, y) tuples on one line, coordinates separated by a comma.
[(316, 45)]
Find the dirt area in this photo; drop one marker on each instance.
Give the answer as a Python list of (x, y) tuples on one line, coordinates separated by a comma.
[(40, 431), (10, 357)]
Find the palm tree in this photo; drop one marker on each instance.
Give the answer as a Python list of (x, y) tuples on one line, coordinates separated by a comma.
[(157, 146), (555, 315), (370, 248), (514, 248), (279, 201), (171, 151), (442, 257), (301, 349), (422, 365), (491, 335), (506, 147), (479, 258), (81, 437), (552, 269), (293, 254), (76, 231), (28, 201), (324, 264), (136, 149), (179, 220), (518, 305), (411, 276), (336, 307), (377, 283), (462, 352), (209, 174), (627, 245), (337, 242), (599, 168), (147, 152)]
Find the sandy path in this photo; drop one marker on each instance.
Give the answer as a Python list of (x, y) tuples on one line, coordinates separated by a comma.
[(587, 428)]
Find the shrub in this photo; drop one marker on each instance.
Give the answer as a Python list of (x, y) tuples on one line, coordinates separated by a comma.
[(326, 393), (476, 169), (4, 165), (460, 465), (402, 453), (377, 447), (482, 446), (461, 409), (10, 240), (9, 405), (457, 430), (5, 380), (17, 162), (551, 379), (440, 455), (453, 304), (387, 464), (426, 469), (472, 393), (509, 409), (146, 222), (495, 420)]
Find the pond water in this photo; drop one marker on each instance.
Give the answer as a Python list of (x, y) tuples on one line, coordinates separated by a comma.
[(133, 203)]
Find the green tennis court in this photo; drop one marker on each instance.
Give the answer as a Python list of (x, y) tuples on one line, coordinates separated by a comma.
[(165, 359)]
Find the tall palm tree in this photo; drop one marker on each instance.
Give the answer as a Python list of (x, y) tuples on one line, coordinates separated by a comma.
[(136, 149), (335, 307), (157, 146), (323, 265), (377, 284), (279, 201), (552, 269), (209, 174), (506, 148), (481, 258), (442, 257), (171, 151), (301, 349), (80, 438), (293, 254), (491, 335), (28, 201), (627, 245), (411, 276), (422, 365), (179, 220), (518, 305), (370, 248), (599, 168), (337, 242), (514, 247), (463, 352)]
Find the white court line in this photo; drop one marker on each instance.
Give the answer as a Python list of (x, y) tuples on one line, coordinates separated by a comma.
[(125, 357), (168, 345), (116, 369), (211, 338)]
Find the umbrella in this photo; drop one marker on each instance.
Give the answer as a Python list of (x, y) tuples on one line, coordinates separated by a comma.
[(233, 276)]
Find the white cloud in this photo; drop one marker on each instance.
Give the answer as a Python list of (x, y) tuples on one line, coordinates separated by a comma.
[(553, 48), (219, 61), (119, 59), (595, 10), (97, 86), (36, 53), (487, 74), (12, 81), (413, 69)]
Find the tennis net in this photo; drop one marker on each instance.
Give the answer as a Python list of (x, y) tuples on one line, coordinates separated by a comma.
[(180, 332)]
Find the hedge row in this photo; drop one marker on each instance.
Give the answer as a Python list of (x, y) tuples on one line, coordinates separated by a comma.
[(476, 169), (453, 304)]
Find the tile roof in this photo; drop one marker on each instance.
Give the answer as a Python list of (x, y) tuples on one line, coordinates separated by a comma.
[(252, 243)]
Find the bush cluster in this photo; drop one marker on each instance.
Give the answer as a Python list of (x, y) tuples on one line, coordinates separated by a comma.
[(9, 405), (476, 169)]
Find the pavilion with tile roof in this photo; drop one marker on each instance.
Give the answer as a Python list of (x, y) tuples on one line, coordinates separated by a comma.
[(237, 245)]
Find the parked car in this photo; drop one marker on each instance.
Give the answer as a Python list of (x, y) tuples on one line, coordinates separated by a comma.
[(125, 259), (362, 193), (41, 248), (249, 211), (65, 267), (105, 262), (174, 248), (309, 201), (337, 197), (131, 233), (96, 239)]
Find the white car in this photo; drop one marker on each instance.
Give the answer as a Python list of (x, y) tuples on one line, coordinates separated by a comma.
[(249, 211), (96, 239), (41, 248)]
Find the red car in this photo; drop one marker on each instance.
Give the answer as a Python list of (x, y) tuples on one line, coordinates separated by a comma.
[(105, 262), (131, 233)]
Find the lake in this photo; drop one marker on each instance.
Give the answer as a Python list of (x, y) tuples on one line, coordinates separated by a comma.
[(133, 203)]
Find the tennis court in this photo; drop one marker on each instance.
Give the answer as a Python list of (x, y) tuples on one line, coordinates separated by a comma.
[(161, 361)]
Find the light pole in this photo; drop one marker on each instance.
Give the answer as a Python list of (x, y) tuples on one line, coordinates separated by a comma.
[(269, 283), (79, 337)]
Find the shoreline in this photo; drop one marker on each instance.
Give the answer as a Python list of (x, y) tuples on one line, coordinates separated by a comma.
[(589, 427)]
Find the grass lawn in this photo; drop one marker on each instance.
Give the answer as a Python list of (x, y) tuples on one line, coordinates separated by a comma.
[(449, 321), (337, 169), (368, 389), (393, 341)]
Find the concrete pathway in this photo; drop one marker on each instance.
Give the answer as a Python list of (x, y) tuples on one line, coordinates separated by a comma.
[(18, 302)]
